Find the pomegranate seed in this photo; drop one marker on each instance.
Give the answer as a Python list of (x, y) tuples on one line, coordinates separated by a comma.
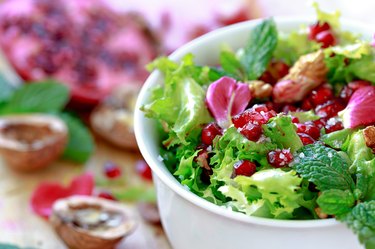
[(111, 170), (209, 132), (326, 38), (319, 123), (345, 94), (280, 69), (273, 106), (279, 158), (268, 115), (307, 104), (251, 131), (260, 108), (244, 168), (321, 95), (268, 78), (317, 28), (306, 139), (295, 120), (333, 125), (143, 170), (348, 90), (289, 108), (107, 195), (329, 109), (309, 129), (357, 84), (248, 116)]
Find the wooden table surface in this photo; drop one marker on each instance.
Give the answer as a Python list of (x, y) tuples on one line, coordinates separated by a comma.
[(20, 226)]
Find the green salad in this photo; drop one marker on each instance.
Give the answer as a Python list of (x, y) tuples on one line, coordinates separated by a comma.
[(281, 128)]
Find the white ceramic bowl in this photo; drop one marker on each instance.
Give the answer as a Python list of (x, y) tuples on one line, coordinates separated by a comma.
[(191, 222)]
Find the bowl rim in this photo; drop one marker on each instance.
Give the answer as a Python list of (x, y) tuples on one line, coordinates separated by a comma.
[(176, 186)]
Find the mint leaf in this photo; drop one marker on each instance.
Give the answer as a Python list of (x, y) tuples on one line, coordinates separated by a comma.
[(259, 49), (48, 96), (324, 167), (362, 221), (231, 64), (6, 90), (335, 201), (80, 143)]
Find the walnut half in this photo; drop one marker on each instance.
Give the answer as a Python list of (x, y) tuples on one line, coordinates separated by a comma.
[(369, 134), (260, 89)]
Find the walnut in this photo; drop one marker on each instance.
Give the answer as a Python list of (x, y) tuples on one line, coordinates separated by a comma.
[(306, 74), (369, 134), (320, 213), (260, 89)]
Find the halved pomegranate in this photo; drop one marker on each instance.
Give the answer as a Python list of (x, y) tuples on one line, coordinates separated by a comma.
[(83, 44)]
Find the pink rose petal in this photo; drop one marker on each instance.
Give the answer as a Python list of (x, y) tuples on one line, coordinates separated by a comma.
[(226, 98), (360, 108), (47, 193)]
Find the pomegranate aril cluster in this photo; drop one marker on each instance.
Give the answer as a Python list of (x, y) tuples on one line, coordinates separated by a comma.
[(249, 123)]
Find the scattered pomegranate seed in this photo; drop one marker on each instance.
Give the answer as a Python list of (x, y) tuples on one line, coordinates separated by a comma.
[(289, 108), (345, 94), (333, 125), (268, 115), (309, 129), (326, 38), (244, 168), (260, 108), (348, 90), (306, 139), (319, 123), (357, 84), (321, 95), (107, 195), (316, 28), (279, 158), (295, 120), (111, 170), (307, 104), (275, 71), (280, 68), (209, 132), (251, 131), (246, 117), (329, 109), (143, 170)]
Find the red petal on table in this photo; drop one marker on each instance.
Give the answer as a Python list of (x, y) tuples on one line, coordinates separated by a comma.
[(360, 108), (47, 193), (82, 185), (226, 98)]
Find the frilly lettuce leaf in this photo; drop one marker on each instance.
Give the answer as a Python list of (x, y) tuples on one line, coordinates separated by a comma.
[(293, 45), (277, 187), (363, 165), (282, 132), (332, 18), (180, 103)]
